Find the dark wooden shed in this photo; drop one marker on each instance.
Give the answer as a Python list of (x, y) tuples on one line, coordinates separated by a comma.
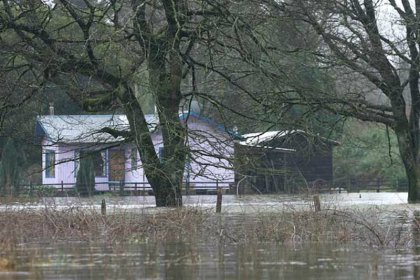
[(283, 162)]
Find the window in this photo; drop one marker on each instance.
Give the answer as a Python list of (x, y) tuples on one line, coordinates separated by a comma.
[(50, 164), (99, 162), (134, 159), (161, 154)]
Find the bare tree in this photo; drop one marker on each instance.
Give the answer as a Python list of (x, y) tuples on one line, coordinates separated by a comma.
[(101, 50), (372, 45)]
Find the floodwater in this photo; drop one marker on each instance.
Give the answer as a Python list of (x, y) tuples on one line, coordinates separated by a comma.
[(209, 261), (221, 260), (231, 203)]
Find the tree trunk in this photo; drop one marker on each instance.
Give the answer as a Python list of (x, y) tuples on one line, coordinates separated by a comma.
[(413, 177), (165, 75), (412, 167), (164, 175), (165, 79), (167, 195)]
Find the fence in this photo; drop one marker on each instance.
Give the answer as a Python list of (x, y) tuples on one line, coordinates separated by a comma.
[(123, 188), (210, 187), (376, 185)]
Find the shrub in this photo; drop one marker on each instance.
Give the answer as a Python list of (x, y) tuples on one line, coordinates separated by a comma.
[(85, 180)]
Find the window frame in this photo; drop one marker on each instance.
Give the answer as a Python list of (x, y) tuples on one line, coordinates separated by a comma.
[(50, 171), (161, 153), (104, 155)]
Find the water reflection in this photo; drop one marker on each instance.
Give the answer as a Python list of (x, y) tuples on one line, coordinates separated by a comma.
[(212, 261)]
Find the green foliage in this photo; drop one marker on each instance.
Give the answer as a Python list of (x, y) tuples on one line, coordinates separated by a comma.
[(366, 153), (10, 169), (85, 180)]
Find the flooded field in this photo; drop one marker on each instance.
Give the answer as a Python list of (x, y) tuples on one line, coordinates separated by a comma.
[(207, 261), (256, 237), (231, 203)]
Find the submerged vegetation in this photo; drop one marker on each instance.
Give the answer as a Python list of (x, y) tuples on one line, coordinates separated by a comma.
[(76, 239), (372, 227)]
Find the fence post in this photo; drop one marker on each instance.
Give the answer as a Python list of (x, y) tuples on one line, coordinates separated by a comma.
[(121, 187), (62, 186), (103, 207), (135, 187), (31, 189), (317, 203), (219, 198), (378, 184)]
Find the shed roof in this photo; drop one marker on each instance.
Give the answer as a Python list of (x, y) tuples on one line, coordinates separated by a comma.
[(268, 138), (84, 128)]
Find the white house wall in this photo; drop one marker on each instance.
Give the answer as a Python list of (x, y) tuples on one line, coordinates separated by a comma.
[(211, 152), (48, 146), (209, 163)]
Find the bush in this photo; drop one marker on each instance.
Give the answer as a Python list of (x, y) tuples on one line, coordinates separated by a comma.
[(85, 180)]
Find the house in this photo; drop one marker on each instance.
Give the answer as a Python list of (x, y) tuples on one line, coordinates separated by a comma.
[(283, 161), (116, 162)]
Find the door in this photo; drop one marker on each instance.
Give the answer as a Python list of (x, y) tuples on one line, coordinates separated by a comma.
[(116, 165)]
